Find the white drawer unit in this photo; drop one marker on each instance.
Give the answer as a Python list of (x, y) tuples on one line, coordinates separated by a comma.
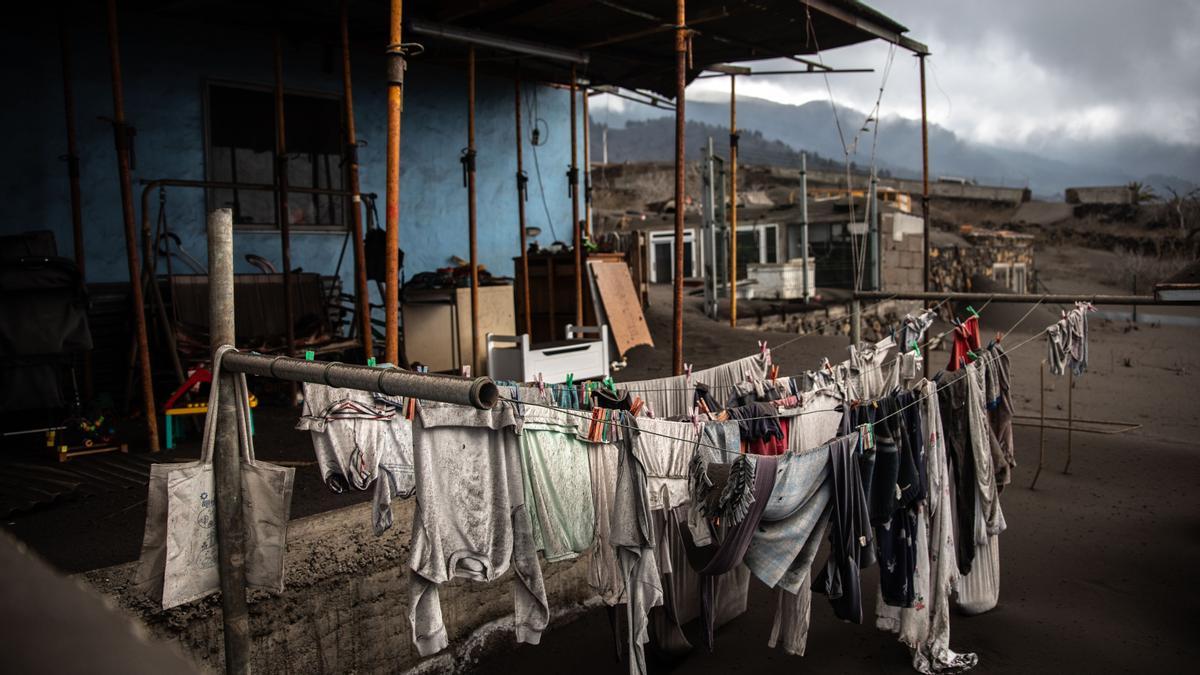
[(583, 354)]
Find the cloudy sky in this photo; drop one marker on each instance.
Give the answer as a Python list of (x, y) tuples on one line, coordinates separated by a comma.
[(1024, 73)]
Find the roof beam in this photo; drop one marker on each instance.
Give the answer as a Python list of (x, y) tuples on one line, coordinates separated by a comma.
[(841, 14)]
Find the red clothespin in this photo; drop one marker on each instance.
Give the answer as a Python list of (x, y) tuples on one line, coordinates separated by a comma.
[(764, 352), (636, 406)]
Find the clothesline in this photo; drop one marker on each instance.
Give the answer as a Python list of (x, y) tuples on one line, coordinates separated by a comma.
[(939, 387)]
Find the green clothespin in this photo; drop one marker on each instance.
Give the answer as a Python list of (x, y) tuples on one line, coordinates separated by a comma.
[(310, 355), (915, 347), (371, 362), (866, 433), (972, 311), (973, 355), (609, 384), (570, 379)]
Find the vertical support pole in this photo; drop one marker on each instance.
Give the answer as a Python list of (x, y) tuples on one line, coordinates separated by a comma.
[(573, 184), (681, 49), (471, 215), (733, 205), (72, 158), (1042, 426), (521, 196), (925, 277), (876, 239), (855, 322), (362, 296), (804, 224), (395, 104), (1070, 417), (587, 168), (227, 459), (121, 132), (284, 213)]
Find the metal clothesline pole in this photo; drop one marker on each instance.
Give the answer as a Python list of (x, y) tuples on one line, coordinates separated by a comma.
[(1051, 298)]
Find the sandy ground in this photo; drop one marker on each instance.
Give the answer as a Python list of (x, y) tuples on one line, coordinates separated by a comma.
[(1094, 564)]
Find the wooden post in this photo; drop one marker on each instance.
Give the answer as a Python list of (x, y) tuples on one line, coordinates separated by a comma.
[(121, 132), (471, 216), (1070, 417), (521, 192), (925, 280), (395, 104), (284, 213), (733, 205), (573, 184), (681, 50), (362, 296), (227, 461)]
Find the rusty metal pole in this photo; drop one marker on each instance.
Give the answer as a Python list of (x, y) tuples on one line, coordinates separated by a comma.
[(395, 104), (733, 206), (587, 168), (131, 254), (284, 215), (227, 461), (521, 192), (362, 295), (925, 280), (1042, 425), (573, 184), (72, 158), (681, 48), (471, 215)]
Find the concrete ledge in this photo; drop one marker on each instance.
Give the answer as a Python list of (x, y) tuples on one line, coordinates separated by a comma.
[(345, 604)]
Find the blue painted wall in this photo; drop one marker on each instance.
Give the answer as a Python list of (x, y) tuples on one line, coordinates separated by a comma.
[(166, 65)]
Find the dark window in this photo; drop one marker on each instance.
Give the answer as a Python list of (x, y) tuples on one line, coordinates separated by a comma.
[(241, 149)]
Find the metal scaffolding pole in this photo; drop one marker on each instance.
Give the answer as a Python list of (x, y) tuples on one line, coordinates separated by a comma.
[(362, 296), (681, 52), (807, 291), (573, 186), (284, 216), (469, 167), (587, 169), (522, 193), (733, 205), (926, 282), (72, 158), (395, 104), (121, 133), (227, 461)]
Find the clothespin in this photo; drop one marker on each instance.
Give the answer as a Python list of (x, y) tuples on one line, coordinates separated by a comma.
[(764, 352), (867, 435), (570, 380), (636, 406), (696, 419), (649, 410), (609, 384), (466, 371), (541, 385), (972, 311), (915, 347), (309, 355), (371, 362), (687, 373)]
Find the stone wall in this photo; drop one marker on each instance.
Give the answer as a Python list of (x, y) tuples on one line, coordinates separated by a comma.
[(953, 266), (345, 604), (1107, 194)]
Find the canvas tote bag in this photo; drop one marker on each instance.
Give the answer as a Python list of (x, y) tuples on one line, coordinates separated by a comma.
[(179, 548)]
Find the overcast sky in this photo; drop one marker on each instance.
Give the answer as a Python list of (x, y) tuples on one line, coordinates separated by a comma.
[(1023, 73)]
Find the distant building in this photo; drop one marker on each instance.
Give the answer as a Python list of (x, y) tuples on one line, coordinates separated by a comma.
[(1105, 194), (956, 260)]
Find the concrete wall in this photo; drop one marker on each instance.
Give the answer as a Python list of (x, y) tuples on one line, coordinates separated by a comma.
[(345, 604), (989, 193), (903, 252), (166, 64), (1111, 194)]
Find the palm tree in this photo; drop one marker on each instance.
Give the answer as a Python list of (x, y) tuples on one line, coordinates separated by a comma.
[(1140, 192)]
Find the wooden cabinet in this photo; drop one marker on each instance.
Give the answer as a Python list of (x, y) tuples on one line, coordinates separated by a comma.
[(552, 293), (437, 325)]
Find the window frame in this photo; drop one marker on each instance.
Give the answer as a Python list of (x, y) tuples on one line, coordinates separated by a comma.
[(206, 86)]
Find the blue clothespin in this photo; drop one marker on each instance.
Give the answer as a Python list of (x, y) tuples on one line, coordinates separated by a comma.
[(309, 355)]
